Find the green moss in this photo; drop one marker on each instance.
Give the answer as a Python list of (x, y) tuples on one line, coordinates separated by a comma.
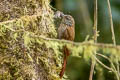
[(21, 55)]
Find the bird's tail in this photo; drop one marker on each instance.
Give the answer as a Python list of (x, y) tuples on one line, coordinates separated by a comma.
[(66, 54)]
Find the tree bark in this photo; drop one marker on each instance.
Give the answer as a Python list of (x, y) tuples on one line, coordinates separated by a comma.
[(23, 57)]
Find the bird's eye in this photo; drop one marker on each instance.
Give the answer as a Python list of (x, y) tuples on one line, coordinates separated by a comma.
[(68, 18)]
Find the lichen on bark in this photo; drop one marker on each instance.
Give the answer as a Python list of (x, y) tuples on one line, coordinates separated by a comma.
[(22, 56)]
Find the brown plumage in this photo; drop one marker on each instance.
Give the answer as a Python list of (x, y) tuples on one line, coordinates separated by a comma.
[(66, 31)]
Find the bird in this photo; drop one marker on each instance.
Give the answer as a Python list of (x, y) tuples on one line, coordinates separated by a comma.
[(66, 31)]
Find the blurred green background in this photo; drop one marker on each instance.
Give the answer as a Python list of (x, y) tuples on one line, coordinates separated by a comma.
[(83, 11)]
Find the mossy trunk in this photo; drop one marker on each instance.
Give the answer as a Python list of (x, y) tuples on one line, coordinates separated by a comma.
[(23, 56)]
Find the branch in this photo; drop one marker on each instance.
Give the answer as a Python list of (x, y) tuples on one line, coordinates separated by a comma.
[(99, 45), (111, 23), (103, 64), (108, 60), (113, 36), (95, 38)]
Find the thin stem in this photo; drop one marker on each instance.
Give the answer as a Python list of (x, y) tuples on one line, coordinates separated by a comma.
[(104, 56), (95, 21), (117, 62), (108, 60), (111, 23), (103, 64), (113, 36), (95, 38), (107, 67), (92, 69)]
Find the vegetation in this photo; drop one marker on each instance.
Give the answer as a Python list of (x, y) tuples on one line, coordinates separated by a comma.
[(29, 49)]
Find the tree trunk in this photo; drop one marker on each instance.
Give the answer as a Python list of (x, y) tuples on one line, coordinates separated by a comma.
[(23, 56)]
